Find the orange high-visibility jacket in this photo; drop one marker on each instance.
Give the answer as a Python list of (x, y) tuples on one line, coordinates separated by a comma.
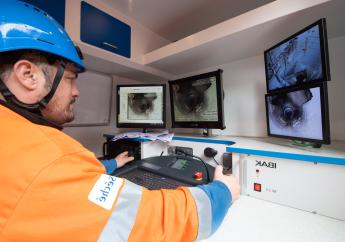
[(54, 189)]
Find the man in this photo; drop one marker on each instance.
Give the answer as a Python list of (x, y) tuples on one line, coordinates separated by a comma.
[(52, 188)]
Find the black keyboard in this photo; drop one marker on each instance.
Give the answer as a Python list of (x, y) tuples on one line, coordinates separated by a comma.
[(151, 180)]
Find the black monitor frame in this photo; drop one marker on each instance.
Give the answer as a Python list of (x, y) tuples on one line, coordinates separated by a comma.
[(144, 126), (219, 124), (321, 23), (324, 115)]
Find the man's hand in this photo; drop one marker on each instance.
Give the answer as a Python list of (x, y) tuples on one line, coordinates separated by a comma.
[(230, 181), (123, 159)]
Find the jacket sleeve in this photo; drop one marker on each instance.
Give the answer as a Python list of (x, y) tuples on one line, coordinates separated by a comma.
[(109, 165), (220, 198), (185, 214), (73, 198)]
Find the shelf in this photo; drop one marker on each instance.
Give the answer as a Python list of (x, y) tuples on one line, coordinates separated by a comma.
[(246, 35), (282, 148), (274, 147), (109, 63)]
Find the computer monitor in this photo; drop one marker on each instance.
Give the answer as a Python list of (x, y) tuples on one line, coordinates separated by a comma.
[(197, 101), (299, 114), (141, 106), (301, 58)]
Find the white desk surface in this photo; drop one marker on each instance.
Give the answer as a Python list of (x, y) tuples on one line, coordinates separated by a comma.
[(253, 220)]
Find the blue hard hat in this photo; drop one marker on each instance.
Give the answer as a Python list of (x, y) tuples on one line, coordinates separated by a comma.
[(23, 26)]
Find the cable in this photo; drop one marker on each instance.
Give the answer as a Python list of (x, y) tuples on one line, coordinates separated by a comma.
[(211, 153), (215, 161), (197, 157)]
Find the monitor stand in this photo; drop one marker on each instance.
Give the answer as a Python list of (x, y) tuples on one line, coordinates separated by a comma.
[(317, 145), (207, 132), (305, 144)]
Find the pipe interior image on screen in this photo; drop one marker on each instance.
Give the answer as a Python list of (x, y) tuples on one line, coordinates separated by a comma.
[(299, 114), (297, 72), (197, 101), (301, 58), (141, 106)]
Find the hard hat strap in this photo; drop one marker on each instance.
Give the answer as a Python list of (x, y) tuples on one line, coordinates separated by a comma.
[(57, 79), (35, 107)]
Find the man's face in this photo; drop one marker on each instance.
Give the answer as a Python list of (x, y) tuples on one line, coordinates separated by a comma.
[(60, 108)]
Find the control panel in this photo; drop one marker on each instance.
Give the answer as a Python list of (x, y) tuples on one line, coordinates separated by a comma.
[(181, 168)]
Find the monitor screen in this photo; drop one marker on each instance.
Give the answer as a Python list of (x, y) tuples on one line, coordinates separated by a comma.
[(299, 114), (302, 58), (197, 101), (141, 106)]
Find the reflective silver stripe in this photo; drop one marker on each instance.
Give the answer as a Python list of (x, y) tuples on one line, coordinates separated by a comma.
[(122, 219), (203, 205)]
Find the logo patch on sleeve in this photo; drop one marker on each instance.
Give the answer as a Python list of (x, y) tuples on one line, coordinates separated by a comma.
[(105, 191)]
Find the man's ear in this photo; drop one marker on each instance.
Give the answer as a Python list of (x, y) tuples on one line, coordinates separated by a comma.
[(26, 73)]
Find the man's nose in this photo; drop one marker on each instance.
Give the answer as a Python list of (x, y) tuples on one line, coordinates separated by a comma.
[(75, 90)]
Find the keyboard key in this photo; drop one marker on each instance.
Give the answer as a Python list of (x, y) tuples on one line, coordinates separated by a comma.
[(152, 181)]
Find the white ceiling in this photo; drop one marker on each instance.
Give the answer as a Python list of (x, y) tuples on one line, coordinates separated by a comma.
[(176, 19)]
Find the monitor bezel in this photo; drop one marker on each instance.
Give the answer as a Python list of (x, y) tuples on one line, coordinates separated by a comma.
[(324, 114), (140, 125), (220, 105), (324, 55)]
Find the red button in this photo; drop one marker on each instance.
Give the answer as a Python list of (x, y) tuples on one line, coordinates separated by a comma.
[(257, 187), (198, 175)]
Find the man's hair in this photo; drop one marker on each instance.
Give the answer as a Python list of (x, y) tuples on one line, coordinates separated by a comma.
[(42, 59)]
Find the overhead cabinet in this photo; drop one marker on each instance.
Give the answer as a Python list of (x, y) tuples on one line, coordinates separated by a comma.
[(104, 31), (54, 8)]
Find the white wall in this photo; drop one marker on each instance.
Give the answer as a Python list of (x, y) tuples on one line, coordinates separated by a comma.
[(244, 85), (336, 88), (244, 103), (143, 41), (92, 136)]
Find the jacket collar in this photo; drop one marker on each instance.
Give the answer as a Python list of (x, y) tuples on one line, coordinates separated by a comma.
[(31, 116)]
